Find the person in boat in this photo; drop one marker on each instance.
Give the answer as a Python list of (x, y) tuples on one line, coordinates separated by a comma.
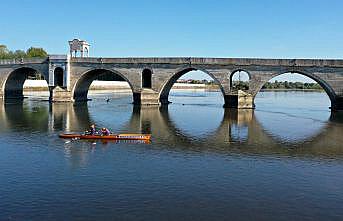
[(92, 130), (105, 131)]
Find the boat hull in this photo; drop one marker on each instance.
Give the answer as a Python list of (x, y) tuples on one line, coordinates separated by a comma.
[(108, 137)]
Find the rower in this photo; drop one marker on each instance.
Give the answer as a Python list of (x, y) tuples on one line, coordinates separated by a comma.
[(105, 131), (92, 130)]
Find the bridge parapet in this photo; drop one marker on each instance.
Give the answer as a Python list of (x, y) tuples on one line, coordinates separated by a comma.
[(188, 60), (23, 61), (215, 61)]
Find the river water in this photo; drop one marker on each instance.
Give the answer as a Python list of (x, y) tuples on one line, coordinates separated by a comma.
[(281, 161)]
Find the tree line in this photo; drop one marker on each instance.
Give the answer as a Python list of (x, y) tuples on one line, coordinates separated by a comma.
[(244, 85), (285, 85), (292, 85), (32, 52)]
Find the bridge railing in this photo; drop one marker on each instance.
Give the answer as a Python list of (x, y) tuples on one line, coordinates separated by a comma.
[(22, 61), (187, 60), (216, 61)]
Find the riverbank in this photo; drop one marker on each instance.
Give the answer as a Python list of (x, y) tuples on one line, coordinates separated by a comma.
[(285, 90), (41, 85)]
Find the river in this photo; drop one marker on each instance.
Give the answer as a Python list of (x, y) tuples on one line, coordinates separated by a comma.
[(281, 161)]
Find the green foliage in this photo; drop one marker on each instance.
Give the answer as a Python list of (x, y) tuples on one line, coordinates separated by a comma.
[(240, 85), (291, 85), (36, 52), (30, 53), (3, 51)]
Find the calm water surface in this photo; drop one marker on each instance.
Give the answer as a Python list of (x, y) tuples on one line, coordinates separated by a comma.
[(282, 161)]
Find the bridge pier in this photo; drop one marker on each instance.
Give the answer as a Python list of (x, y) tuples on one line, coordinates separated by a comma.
[(239, 99), (13, 95), (13, 90), (58, 94), (146, 97), (337, 104)]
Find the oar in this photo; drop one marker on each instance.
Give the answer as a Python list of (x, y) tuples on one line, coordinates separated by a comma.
[(72, 139)]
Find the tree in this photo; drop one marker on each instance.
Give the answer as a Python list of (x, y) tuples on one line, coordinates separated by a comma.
[(3, 51), (30, 53), (19, 54), (36, 52), (291, 85), (287, 85)]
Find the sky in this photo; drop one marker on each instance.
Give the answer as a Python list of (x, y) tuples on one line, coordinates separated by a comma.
[(147, 28)]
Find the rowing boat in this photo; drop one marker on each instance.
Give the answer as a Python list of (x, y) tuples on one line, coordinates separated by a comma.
[(107, 137)]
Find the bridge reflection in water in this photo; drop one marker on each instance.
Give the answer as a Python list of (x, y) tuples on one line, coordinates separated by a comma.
[(239, 131)]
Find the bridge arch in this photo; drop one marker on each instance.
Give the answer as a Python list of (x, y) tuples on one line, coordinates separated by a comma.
[(243, 80), (168, 84), (327, 88), (81, 87), (323, 84), (14, 83)]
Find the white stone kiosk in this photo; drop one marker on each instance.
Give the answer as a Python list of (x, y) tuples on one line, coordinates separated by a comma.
[(77, 45)]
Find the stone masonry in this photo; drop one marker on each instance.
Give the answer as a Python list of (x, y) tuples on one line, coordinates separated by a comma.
[(78, 74)]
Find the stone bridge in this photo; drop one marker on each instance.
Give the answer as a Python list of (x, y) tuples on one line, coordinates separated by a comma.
[(151, 79)]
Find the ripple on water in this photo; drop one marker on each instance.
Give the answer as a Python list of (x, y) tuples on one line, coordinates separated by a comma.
[(279, 162)]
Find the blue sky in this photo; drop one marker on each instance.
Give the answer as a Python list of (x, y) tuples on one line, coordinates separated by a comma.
[(267, 29)]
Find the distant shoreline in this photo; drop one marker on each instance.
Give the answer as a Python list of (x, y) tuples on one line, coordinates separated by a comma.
[(33, 89), (281, 90), (41, 85)]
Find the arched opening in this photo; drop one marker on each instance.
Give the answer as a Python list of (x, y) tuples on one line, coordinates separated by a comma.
[(103, 84), (293, 106), (239, 80), (146, 78), (58, 76), (26, 82), (192, 86)]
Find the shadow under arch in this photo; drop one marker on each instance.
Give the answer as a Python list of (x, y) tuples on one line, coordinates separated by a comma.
[(81, 88), (167, 86), (327, 88), (13, 86)]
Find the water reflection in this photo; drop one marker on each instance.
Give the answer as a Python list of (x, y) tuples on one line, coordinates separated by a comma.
[(238, 124), (291, 128), (236, 163), (24, 116), (195, 121), (175, 129), (292, 117)]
